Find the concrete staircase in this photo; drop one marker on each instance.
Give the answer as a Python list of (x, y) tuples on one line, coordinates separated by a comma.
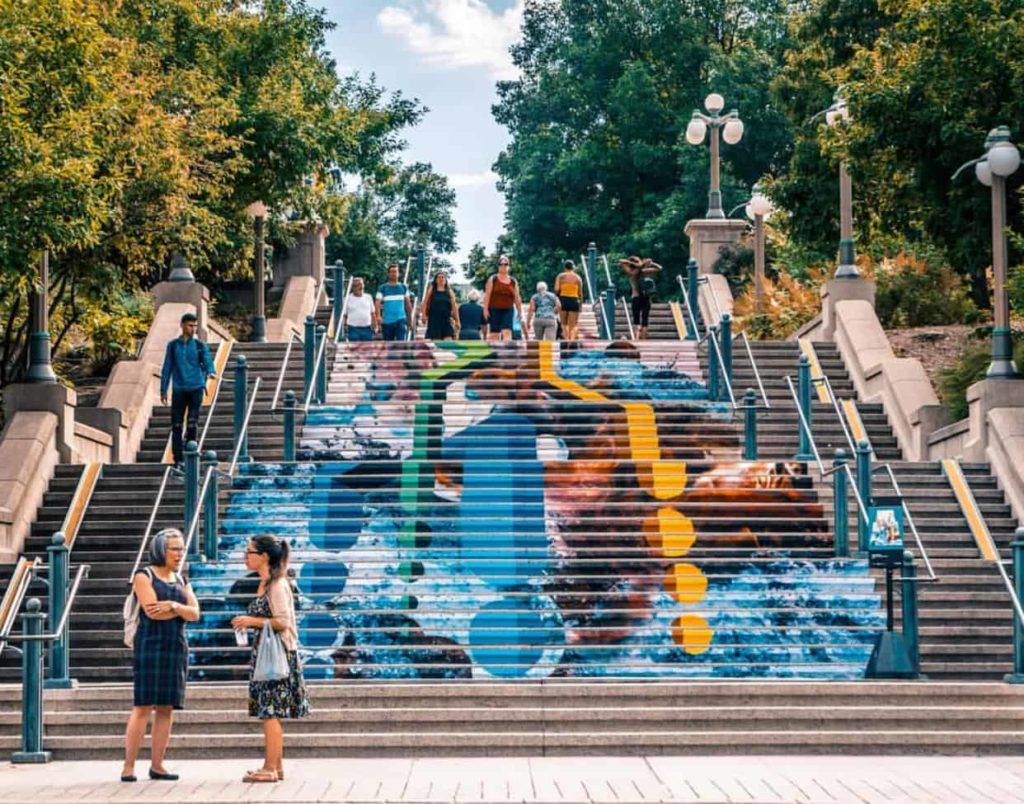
[(559, 717)]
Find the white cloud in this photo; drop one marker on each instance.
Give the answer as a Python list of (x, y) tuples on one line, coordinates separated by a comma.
[(457, 33), (481, 179)]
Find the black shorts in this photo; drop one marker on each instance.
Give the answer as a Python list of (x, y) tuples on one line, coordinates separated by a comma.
[(500, 320), (641, 310), (570, 304)]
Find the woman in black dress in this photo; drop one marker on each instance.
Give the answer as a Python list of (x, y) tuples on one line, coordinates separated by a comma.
[(272, 701), (442, 309), (166, 603)]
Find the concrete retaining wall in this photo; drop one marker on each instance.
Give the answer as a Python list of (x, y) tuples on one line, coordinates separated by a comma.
[(28, 455), (296, 303)]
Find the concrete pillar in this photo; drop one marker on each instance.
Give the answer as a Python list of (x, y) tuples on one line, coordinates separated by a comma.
[(709, 237)]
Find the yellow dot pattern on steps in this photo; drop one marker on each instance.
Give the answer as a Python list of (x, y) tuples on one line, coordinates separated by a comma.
[(670, 532)]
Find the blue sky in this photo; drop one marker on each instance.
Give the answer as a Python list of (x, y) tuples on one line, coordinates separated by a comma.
[(447, 54)]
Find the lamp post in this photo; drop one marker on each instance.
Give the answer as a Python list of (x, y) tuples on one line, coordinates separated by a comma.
[(258, 212), (180, 271), (839, 114), (40, 367), (759, 208), (732, 132), (1000, 160)]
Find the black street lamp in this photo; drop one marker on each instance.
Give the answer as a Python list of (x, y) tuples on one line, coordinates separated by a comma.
[(40, 368), (258, 212)]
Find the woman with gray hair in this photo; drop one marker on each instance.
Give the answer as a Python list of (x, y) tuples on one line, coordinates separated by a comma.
[(471, 317), (160, 659), (543, 311)]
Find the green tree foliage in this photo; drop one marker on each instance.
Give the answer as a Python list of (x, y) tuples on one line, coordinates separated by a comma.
[(132, 130), (598, 115)]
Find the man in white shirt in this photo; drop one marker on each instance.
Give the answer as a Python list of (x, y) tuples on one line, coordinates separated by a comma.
[(360, 319)]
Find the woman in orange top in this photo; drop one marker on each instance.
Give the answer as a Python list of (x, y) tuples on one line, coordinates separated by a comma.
[(569, 289), (501, 296)]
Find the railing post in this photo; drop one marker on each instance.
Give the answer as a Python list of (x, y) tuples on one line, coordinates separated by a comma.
[(693, 292), (321, 374), (726, 342), (308, 354), (713, 363), (191, 494), (421, 271), (59, 554), (210, 546), (749, 425), (864, 490), (592, 266), (338, 283), (805, 452), (1017, 676), (289, 426), (841, 519), (908, 601), (32, 688), (608, 297), (241, 403)]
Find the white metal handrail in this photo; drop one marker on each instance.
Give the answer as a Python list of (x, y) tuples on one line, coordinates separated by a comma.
[(629, 319), (245, 428), (586, 276), (827, 384), (284, 367), (58, 632), (607, 271), (689, 308), (317, 360), (714, 297), (753, 364), (408, 267), (344, 310), (149, 524), (211, 409), (319, 297), (717, 349), (410, 334), (21, 578)]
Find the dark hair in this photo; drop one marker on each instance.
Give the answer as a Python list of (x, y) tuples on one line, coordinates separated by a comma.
[(276, 550), (569, 264), (188, 317)]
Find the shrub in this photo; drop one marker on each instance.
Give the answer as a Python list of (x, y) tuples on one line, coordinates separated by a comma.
[(954, 382), (113, 333), (918, 289), (788, 304)]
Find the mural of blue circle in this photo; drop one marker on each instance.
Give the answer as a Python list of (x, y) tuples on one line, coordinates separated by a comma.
[(326, 579), (318, 668), (318, 630), (507, 637), (337, 526)]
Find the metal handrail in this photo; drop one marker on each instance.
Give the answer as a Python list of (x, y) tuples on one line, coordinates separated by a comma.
[(861, 510), (586, 276), (607, 271), (689, 308), (317, 360), (408, 267), (824, 381), (149, 524), (629, 319), (410, 334), (58, 632), (244, 430), (344, 310), (714, 297), (210, 410), (15, 595), (757, 373), (284, 367), (319, 296), (910, 519), (721, 364)]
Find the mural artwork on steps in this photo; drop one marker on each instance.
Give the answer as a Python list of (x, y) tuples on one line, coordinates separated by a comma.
[(476, 510)]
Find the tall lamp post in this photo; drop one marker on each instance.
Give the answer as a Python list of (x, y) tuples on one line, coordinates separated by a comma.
[(836, 115), (40, 368), (732, 132), (1000, 160), (759, 209), (258, 212)]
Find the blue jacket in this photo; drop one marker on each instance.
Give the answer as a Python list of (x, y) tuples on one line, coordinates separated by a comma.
[(188, 363)]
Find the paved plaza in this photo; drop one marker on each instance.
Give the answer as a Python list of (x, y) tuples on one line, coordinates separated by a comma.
[(546, 779)]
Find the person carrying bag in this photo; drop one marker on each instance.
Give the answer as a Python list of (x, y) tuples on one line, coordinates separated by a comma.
[(277, 690)]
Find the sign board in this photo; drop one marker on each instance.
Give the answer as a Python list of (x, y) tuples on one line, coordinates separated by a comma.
[(885, 539)]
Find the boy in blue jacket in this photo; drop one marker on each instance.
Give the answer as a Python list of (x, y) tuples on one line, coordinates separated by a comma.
[(188, 364)]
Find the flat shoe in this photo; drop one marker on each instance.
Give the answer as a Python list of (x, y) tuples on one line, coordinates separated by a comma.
[(260, 776), (163, 777), (128, 777)]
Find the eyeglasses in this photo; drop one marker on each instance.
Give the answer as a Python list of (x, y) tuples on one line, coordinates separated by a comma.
[(253, 553)]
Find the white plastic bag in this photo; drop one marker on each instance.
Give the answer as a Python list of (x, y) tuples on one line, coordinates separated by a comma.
[(271, 658)]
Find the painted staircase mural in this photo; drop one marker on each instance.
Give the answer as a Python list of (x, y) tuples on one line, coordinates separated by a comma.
[(530, 510)]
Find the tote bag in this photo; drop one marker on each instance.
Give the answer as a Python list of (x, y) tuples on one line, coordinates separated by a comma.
[(271, 659)]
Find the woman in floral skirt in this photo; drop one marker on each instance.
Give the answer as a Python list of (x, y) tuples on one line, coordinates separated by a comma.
[(272, 701)]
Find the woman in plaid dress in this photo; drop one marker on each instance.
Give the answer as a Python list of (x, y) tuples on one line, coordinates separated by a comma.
[(272, 701), (166, 602)]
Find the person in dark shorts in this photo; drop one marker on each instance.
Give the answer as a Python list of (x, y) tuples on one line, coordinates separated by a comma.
[(640, 272), (442, 309), (187, 365), (471, 318), (501, 298), (569, 290), (159, 651)]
